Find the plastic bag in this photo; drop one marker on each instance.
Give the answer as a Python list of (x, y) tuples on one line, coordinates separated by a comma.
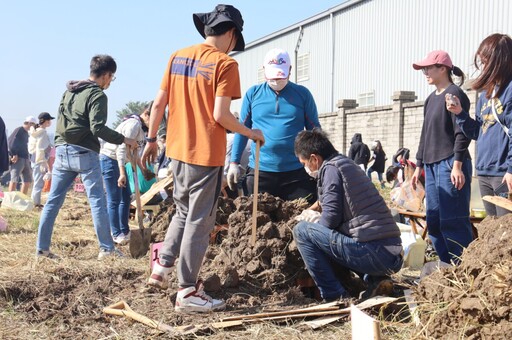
[(407, 197), (17, 201)]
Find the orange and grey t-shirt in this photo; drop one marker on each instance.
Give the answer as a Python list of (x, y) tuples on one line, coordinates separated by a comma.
[(194, 77)]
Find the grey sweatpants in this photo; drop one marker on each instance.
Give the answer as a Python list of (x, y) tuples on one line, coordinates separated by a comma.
[(487, 185), (196, 191)]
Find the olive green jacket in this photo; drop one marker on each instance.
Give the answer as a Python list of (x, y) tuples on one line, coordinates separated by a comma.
[(83, 115)]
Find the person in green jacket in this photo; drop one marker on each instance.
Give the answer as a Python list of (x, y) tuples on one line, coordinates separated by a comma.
[(82, 118)]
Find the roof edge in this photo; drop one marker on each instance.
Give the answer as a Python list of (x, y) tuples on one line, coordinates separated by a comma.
[(316, 17)]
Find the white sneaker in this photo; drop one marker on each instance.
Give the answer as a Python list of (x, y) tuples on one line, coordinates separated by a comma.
[(122, 239), (109, 253), (195, 300), (159, 276)]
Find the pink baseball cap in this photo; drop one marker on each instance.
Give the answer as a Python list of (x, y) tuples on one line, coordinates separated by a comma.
[(438, 57)]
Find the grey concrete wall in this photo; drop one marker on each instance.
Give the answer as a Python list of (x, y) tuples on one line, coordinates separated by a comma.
[(396, 125)]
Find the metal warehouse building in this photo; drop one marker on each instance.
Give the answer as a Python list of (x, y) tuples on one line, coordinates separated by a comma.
[(364, 49)]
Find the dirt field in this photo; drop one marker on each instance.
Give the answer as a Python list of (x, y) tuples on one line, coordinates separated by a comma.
[(474, 300), (46, 299)]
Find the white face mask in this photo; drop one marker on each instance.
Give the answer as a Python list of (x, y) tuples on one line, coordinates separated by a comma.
[(313, 174), (277, 84)]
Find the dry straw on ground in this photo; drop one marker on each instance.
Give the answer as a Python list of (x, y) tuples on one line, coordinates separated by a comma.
[(59, 300)]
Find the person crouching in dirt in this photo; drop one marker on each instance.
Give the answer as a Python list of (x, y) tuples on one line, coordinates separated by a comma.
[(349, 227)]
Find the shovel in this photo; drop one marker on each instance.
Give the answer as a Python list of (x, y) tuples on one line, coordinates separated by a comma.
[(141, 238), (255, 193), (121, 308)]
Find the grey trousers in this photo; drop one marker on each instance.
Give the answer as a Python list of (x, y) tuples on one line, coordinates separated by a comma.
[(196, 192), (487, 185)]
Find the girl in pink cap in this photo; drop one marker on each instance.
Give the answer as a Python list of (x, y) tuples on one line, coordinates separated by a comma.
[(443, 154), (493, 118)]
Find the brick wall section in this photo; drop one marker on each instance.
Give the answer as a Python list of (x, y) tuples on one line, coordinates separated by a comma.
[(396, 125)]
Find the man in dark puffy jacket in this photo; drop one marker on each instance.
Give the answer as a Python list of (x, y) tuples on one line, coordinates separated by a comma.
[(359, 152), (81, 121), (349, 227)]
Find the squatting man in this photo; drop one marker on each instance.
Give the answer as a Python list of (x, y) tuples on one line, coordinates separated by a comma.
[(349, 228)]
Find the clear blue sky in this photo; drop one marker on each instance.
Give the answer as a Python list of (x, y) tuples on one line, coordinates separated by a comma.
[(46, 43)]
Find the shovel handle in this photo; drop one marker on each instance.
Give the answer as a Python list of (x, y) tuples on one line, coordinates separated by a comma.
[(255, 193), (137, 189), (123, 309)]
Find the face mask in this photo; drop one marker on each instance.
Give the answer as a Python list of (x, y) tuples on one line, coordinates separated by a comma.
[(277, 84), (313, 174)]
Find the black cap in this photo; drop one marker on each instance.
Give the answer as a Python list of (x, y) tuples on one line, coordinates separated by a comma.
[(45, 116), (221, 13)]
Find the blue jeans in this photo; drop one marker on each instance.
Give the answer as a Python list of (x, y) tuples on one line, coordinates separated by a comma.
[(118, 199), (37, 175), (70, 161), (447, 218), (322, 248), (379, 175)]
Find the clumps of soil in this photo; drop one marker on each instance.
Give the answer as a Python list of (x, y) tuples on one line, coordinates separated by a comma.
[(232, 263), (274, 262), (76, 214), (474, 299), (160, 222), (66, 294)]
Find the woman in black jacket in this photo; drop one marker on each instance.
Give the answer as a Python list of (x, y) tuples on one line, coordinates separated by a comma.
[(379, 162)]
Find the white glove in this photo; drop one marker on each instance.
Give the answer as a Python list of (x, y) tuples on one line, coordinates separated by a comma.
[(309, 215), (162, 173), (43, 167), (234, 172), (47, 176)]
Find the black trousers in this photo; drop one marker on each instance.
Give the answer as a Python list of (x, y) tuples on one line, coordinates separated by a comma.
[(288, 185)]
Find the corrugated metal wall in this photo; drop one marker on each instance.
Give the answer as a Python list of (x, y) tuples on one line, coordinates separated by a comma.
[(375, 43)]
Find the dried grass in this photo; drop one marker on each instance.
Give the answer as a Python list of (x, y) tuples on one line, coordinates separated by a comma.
[(44, 299)]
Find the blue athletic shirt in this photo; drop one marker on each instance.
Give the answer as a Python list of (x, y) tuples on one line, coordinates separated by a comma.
[(280, 117)]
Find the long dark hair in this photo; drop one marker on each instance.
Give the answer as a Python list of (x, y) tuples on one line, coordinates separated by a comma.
[(495, 53), (457, 72)]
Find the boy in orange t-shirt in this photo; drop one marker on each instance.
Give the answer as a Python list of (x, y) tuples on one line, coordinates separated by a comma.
[(198, 85)]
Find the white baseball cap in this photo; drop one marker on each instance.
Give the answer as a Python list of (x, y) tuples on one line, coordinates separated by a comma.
[(277, 64), (31, 119)]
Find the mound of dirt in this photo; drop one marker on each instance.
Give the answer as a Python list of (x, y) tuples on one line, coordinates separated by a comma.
[(273, 264), (160, 222), (473, 300)]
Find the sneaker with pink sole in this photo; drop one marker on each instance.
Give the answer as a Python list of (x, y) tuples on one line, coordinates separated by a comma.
[(195, 300)]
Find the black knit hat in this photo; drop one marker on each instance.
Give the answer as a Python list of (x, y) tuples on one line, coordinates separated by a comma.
[(221, 13)]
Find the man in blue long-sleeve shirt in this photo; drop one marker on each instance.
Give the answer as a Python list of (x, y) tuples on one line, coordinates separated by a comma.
[(281, 109), (349, 228)]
